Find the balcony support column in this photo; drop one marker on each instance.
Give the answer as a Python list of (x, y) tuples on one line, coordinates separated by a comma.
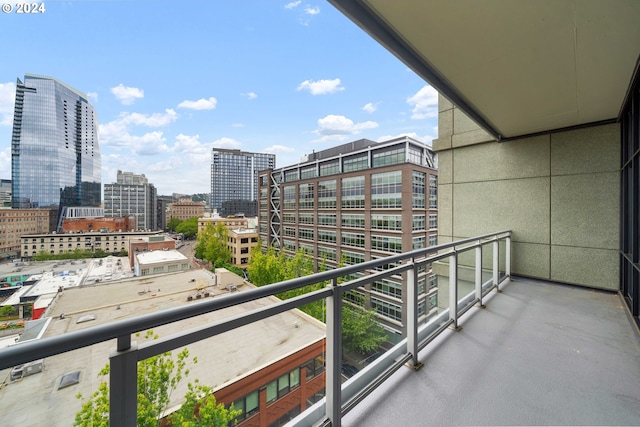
[(412, 316), (507, 256), (479, 275), (334, 355), (123, 385), (453, 290), (496, 263)]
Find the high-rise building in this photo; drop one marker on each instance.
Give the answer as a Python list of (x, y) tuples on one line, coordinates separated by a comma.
[(55, 154), (234, 180), (358, 202), (132, 194)]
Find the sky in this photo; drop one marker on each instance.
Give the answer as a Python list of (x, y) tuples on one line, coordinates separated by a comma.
[(170, 80)]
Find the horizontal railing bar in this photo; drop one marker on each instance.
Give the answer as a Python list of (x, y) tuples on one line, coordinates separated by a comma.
[(37, 349), (161, 345)]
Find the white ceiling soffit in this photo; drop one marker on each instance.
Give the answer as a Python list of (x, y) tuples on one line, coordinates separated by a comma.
[(516, 67)]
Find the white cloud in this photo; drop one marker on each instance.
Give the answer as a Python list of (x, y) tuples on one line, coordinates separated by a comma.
[(5, 163), (321, 87), (237, 125), (200, 104), (340, 125), (148, 144), (225, 142), (127, 95), (279, 149), (293, 4), (424, 102), (370, 107), (116, 133), (7, 100), (250, 95), (311, 10), (93, 96)]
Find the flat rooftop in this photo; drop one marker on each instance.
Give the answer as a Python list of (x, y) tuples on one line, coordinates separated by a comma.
[(36, 399), (538, 354)]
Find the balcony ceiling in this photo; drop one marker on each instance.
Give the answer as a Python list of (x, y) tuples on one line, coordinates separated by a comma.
[(515, 67)]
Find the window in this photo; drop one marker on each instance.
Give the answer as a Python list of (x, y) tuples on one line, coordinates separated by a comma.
[(419, 242), (326, 236), (327, 253), (352, 239), (314, 367), (418, 189), (353, 220), (389, 156), (305, 196), (353, 192), (386, 244), (352, 258), (386, 222), (419, 222), (248, 405), (387, 309), (291, 175), (327, 219), (305, 233), (356, 163), (327, 194), (329, 168), (308, 172), (305, 218), (289, 197), (386, 190), (272, 391), (433, 240), (388, 287), (433, 191)]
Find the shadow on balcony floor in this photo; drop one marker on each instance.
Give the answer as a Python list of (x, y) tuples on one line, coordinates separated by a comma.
[(539, 354)]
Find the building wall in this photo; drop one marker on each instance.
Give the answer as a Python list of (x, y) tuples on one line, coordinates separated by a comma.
[(239, 222), (144, 245), (558, 193), (241, 242), (186, 208), (16, 222), (88, 224)]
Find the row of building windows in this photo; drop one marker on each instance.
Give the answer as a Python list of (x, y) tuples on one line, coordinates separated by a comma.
[(378, 221)]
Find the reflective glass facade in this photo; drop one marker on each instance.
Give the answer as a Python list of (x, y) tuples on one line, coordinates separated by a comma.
[(55, 154), (234, 178)]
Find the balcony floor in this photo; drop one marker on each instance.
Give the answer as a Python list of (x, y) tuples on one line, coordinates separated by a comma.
[(539, 354)]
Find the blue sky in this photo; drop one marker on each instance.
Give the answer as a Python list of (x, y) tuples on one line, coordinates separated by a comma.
[(172, 79)]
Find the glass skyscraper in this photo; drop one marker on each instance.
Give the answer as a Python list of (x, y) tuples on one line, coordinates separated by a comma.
[(55, 154), (234, 180)]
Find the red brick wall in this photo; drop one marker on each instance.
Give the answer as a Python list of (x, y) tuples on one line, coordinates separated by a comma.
[(95, 224)]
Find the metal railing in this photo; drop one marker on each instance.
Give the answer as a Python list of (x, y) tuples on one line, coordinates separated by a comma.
[(339, 397)]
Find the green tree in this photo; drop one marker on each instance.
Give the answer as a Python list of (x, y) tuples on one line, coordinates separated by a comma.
[(158, 377), (211, 245), (189, 227), (173, 224), (6, 310), (360, 330)]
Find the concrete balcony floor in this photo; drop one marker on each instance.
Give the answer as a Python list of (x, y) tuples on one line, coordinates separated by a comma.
[(538, 354)]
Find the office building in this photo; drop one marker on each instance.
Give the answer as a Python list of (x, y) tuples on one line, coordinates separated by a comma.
[(5, 193), (132, 195), (234, 180), (16, 222), (186, 208), (55, 153), (353, 203)]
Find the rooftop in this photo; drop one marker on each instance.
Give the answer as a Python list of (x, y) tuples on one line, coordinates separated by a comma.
[(221, 360)]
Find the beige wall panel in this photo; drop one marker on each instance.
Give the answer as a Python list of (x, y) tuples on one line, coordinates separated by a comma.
[(585, 211), (597, 268), (441, 143), (445, 123), (595, 149), (445, 167), (530, 259), (443, 103), (477, 136), (445, 209), (462, 123), (494, 161), (521, 205)]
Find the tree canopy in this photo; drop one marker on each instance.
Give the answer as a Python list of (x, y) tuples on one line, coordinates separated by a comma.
[(189, 227), (158, 376), (211, 245)]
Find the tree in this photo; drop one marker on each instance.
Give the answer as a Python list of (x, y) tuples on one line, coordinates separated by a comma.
[(6, 310), (211, 245), (189, 227), (173, 224), (360, 330), (158, 377)]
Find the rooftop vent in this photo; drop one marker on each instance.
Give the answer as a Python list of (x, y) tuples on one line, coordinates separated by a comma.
[(69, 379)]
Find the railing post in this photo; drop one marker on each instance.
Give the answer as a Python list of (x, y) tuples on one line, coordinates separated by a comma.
[(479, 274), (123, 384), (334, 355), (412, 316), (496, 263), (507, 256), (453, 289)]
